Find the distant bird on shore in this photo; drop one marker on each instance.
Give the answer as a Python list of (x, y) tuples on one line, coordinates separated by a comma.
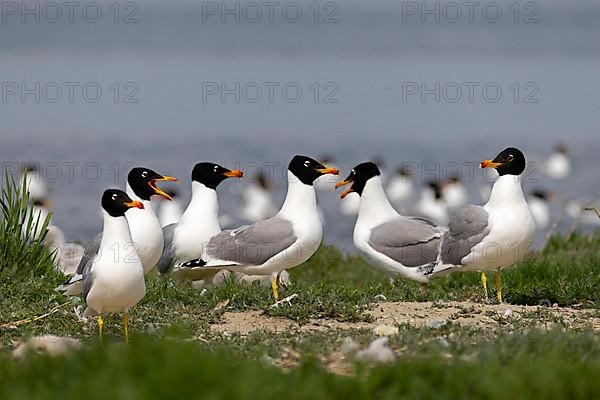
[(494, 236), (398, 245), (145, 229), (558, 164), (257, 200), (34, 180), (539, 205), (431, 204), (114, 281), (401, 188), (454, 193), (279, 243)]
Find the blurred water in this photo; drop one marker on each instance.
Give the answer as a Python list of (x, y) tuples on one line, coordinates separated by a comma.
[(367, 55)]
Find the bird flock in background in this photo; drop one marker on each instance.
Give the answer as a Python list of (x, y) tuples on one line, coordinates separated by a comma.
[(401, 234)]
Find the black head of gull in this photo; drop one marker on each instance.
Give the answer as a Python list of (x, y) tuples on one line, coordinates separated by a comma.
[(510, 161), (359, 176), (541, 194), (404, 172), (116, 202), (143, 182), (561, 149), (211, 175), (262, 181), (30, 167), (435, 188), (307, 169)]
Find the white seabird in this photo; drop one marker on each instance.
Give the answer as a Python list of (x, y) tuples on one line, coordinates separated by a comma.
[(145, 229), (34, 181), (431, 205), (257, 201), (558, 164), (401, 188), (540, 209), (281, 242), (454, 193), (187, 239), (114, 281), (398, 245), (494, 236)]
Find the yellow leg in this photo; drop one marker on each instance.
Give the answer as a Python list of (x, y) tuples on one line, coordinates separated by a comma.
[(100, 325), (126, 326), (499, 286), (484, 283), (275, 287)]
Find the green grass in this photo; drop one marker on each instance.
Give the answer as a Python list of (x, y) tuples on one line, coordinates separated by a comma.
[(173, 352), (331, 285), (20, 250), (538, 365)]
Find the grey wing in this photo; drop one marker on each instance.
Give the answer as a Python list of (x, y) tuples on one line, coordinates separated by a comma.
[(89, 253), (253, 244), (468, 227), (88, 278), (412, 242), (168, 255)]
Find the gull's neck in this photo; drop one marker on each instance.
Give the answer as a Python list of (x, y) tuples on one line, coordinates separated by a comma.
[(300, 200), (203, 208), (375, 207), (147, 203), (506, 191), (115, 230)]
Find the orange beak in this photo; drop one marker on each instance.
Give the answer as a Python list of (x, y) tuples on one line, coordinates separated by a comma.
[(234, 173), (489, 164), (329, 170), (343, 183), (135, 204), (159, 191)]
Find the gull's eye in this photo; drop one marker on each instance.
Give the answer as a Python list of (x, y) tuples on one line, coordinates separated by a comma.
[(306, 163), (144, 174), (510, 157), (114, 196), (216, 168)]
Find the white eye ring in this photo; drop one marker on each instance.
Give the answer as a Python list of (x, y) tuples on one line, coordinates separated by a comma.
[(144, 174), (306, 163), (114, 196), (511, 157), (216, 168)]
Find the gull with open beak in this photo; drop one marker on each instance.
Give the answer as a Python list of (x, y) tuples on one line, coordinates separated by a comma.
[(146, 231), (397, 245), (114, 280), (494, 236), (276, 244)]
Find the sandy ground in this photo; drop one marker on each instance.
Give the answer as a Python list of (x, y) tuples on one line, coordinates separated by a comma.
[(422, 314)]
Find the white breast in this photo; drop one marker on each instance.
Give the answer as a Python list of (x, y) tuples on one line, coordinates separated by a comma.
[(118, 275), (198, 224), (512, 227)]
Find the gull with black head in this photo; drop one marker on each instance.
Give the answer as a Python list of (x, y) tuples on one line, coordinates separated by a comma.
[(276, 244), (494, 236), (398, 245), (144, 225), (114, 281), (188, 238)]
